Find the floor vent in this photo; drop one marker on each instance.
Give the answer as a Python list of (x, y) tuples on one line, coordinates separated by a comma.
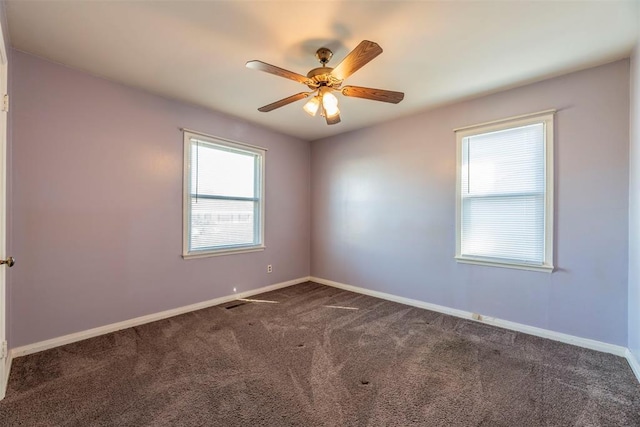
[(234, 304)]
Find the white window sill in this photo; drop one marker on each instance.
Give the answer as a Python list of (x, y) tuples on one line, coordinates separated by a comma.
[(206, 254), (505, 264)]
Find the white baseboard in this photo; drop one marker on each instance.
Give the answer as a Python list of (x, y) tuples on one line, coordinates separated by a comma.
[(633, 362), (519, 327), (90, 333)]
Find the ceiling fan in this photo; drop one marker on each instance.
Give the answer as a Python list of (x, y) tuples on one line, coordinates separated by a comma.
[(324, 80)]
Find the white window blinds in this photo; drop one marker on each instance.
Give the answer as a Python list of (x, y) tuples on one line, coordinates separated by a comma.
[(503, 186)]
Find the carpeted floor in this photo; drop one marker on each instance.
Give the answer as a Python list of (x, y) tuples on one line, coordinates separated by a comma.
[(319, 356)]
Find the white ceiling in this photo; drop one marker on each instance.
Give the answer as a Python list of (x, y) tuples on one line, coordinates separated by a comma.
[(436, 52)]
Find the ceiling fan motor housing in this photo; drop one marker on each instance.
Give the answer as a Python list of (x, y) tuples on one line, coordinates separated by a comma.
[(321, 76)]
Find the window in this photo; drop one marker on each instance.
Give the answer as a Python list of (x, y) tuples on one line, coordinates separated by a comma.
[(505, 193), (223, 196)]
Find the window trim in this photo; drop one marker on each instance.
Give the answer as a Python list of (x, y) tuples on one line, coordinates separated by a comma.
[(547, 118), (186, 195)]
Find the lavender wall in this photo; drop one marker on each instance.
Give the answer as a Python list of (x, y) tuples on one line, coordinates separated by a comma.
[(97, 204), (634, 202), (383, 209)]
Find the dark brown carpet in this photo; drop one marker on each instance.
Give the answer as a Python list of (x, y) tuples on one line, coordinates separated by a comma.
[(303, 361)]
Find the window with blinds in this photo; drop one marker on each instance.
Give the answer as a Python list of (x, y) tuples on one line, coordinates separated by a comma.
[(223, 196), (505, 193)]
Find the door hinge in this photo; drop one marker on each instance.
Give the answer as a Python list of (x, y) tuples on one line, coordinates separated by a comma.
[(5, 103), (3, 350)]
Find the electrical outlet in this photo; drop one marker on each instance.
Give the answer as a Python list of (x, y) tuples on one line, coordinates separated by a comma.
[(269, 268)]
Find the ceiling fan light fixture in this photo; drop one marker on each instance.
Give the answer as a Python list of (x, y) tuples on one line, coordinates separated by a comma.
[(330, 104), (311, 107)]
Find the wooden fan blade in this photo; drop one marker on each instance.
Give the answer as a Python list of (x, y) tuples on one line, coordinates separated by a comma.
[(285, 101), (373, 94), (272, 69), (333, 119), (356, 59)]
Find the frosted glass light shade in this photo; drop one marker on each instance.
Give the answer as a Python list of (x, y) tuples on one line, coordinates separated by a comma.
[(311, 107), (330, 104)]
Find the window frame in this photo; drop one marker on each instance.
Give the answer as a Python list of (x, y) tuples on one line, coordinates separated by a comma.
[(547, 119), (187, 196)]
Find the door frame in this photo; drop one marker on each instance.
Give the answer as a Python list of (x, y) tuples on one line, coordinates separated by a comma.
[(5, 365)]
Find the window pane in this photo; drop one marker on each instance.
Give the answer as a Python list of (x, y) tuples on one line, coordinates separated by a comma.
[(222, 223), (503, 195), (504, 227), (505, 162), (222, 171)]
